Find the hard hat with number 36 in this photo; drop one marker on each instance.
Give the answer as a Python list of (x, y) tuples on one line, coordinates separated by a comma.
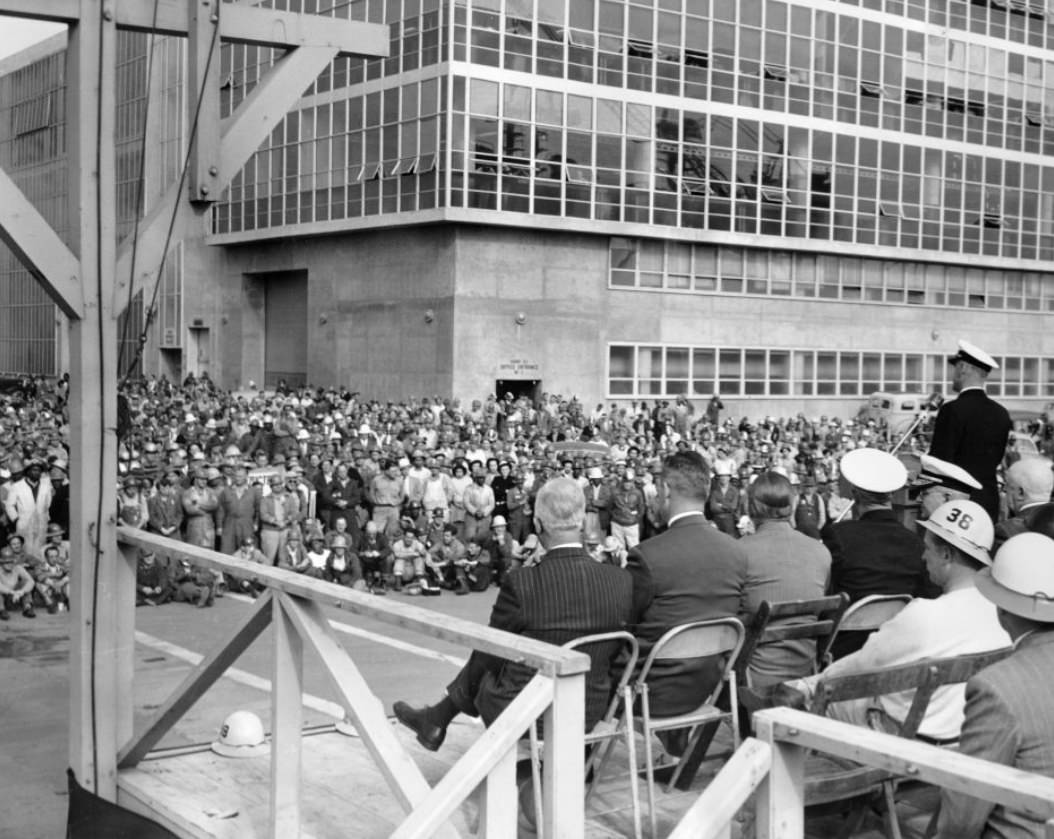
[(966, 525)]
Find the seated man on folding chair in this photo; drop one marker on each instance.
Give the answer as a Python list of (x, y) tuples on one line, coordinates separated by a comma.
[(564, 596), (958, 622)]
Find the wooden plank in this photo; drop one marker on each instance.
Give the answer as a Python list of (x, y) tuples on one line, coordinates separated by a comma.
[(199, 681), (1033, 794), (495, 746), (563, 782), (261, 27), (38, 247), (124, 642), (401, 773), (713, 811), (95, 578), (499, 802), (287, 719), (780, 805), (545, 658), (203, 79)]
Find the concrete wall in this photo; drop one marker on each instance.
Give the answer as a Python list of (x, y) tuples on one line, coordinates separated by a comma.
[(380, 309)]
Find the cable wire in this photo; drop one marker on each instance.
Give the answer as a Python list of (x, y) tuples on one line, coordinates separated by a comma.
[(141, 187)]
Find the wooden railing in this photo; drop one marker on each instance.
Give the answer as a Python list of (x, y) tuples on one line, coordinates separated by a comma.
[(294, 604), (774, 765)]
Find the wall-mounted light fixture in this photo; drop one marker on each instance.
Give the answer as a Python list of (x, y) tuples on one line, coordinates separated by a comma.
[(322, 319), (521, 318), (430, 315)]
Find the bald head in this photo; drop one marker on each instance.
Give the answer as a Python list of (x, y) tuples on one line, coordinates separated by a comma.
[(1029, 481)]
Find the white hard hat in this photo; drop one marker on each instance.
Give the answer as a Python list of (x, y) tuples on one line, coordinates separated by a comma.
[(966, 525), (498, 521), (241, 735), (1021, 579)]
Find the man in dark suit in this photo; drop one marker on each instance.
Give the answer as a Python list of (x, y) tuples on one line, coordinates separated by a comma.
[(689, 572), (972, 430), (874, 553), (1009, 715), (1029, 484), (565, 596)]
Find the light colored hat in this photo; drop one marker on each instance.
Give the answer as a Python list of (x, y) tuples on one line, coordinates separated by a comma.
[(498, 521), (241, 735), (723, 468), (972, 354), (595, 473), (966, 525), (873, 470), (1021, 579), (936, 471)]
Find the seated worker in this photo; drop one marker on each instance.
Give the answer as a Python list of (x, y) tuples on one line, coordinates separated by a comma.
[(247, 584), (192, 584), (152, 582), (1029, 485), (16, 586), (292, 556), (375, 557), (1009, 716), (689, 572), (958, 622), (939, 482), (782, 564), (443, 558), (409, 563), (563, 597), (344, 567), (473, 571), (52, 578), (317, 555), (874, 553)]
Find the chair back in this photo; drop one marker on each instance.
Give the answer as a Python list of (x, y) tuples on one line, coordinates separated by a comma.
[(699, 639), (866, 615), (605, 647), (789, 620), (924, 677)]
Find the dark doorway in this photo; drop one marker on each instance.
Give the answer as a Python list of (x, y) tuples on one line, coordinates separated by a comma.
[(531, 388), (285, 328)]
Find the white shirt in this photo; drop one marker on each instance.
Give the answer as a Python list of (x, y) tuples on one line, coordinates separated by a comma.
[(957, 623)]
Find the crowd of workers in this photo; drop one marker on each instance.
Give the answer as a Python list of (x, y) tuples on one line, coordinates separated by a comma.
[(645, 516)]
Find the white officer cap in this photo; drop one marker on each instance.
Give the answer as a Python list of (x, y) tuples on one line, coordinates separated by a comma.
[(873, 470), (972, 354)]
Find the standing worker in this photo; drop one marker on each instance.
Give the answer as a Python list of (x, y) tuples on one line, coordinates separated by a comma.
[(972, 430)]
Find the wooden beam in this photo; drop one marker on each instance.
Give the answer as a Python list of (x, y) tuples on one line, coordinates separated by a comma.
[(124, 641), (712, 811), (499, 804), (287, 720), (242, 133), (198, 681), (1013, 788), (564, 771), (244, 24), (203, 78), (780, 806), (401, 773), (475, 765), (547, 659), (38, 247), (95, 576)]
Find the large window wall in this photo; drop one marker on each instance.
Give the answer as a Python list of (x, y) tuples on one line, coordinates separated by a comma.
[(657, 265), (651, 370)]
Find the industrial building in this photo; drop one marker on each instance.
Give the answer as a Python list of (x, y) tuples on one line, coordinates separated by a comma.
[(792, 204)]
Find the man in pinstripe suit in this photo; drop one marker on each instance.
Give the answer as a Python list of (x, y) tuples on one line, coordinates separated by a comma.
[(565, 596), (1009, 712)]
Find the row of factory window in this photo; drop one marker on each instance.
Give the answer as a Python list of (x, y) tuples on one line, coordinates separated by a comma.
[(649, 370), (682, 267)]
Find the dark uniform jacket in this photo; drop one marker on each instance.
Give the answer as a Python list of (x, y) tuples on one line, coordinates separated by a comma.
[(971, 431)]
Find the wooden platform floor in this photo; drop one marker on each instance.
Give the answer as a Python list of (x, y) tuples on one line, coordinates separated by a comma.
[(203, 794)]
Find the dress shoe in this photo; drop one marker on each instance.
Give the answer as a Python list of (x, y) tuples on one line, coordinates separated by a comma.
[(28, 612), (429, 734)]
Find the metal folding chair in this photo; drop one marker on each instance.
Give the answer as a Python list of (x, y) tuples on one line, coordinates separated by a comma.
[(866, 615), (699, 639)]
